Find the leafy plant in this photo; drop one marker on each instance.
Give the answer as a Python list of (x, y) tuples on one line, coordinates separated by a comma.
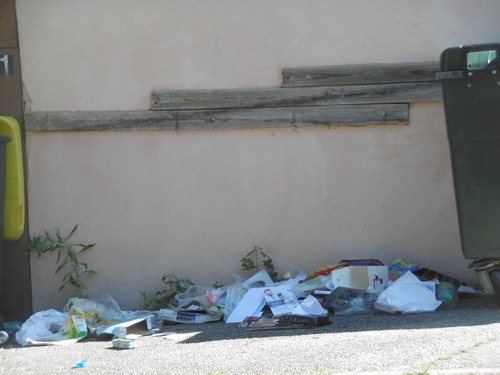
[(67, 256), (255, 258), (166, 297), (217, 285)]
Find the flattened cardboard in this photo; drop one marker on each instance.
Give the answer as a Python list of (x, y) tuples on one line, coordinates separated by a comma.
[(189, 316), (136, 327)]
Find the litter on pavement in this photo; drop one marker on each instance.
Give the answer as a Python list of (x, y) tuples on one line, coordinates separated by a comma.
[(351, 287)]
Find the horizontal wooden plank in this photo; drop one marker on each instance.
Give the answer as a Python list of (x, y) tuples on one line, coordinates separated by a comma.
[(360, 74), (289, 97), (218, 119)]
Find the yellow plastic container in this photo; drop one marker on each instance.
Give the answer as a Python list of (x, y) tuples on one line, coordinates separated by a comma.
[(14, 210)]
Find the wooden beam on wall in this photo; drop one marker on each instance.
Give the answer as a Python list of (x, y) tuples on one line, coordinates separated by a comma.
[(411, 92), (335, 75), (219, 119), (326, 95)]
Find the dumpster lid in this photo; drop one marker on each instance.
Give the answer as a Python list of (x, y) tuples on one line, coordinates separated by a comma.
[(469, 61)]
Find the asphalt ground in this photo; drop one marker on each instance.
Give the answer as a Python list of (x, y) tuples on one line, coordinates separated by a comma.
[(465, 340)]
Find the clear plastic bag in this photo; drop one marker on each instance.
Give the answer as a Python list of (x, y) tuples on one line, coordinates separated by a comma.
[(234, 293), (97, 312), (194, 294)]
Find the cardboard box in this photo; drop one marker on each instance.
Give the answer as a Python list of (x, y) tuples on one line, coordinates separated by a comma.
[(373, 279)]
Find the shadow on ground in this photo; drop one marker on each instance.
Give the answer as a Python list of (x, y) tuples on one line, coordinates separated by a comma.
[(469, 312)]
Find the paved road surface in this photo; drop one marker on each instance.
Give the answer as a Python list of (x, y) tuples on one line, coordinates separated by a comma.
[(465, 340)]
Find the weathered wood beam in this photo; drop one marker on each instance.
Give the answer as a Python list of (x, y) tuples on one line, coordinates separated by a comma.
[(218, 119), (360, 74), (290, 97)]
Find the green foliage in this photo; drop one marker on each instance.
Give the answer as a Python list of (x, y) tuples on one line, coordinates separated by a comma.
[(67, 256), (255, 258), (217, 285), (166, 297)]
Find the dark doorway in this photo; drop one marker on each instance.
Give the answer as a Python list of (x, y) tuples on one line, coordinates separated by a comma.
[(15, 296)]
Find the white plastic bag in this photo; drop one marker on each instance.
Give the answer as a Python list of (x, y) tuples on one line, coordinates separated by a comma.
[(40, 325), (407, 295)]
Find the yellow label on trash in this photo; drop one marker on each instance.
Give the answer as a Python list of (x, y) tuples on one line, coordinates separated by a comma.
[(73, 330)]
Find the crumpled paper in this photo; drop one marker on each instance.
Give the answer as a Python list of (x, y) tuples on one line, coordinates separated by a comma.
[(407, 295), (309, 306)]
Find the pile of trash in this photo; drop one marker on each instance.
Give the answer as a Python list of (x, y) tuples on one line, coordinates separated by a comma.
[(100, 319), (351, 287)]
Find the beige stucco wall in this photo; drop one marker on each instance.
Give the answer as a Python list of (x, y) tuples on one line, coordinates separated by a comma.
[(193, 203)]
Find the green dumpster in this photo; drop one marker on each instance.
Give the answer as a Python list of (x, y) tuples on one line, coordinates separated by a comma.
[(3, 153), (470, 78)]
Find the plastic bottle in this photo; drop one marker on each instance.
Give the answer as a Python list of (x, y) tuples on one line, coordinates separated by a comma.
[(4, 337), (447, 294)]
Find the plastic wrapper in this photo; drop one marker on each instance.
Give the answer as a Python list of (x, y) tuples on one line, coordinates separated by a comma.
[(234, 294), (302, 290), (73, 330), (40, 325), (399, 267), (228, 297), (194, 295), (217, 297), (97, 312), (324, 270), (299, 278)]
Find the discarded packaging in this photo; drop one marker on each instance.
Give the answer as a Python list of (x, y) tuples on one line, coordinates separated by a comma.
[(81, 364), (288, 321), (407, 295), (308, 287), (399, 267), (250, 305), (72, 331), (373, 279), (324, 270), (40, 325), (349, 301), (189, 316), (193, 294), (124, 343), (352, 287), (309, 306), (255, 299), (135, 327), (97, 312)]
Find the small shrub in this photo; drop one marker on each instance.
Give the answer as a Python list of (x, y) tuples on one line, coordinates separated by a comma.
[(67, 256), (166, 297), (256, 258)]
